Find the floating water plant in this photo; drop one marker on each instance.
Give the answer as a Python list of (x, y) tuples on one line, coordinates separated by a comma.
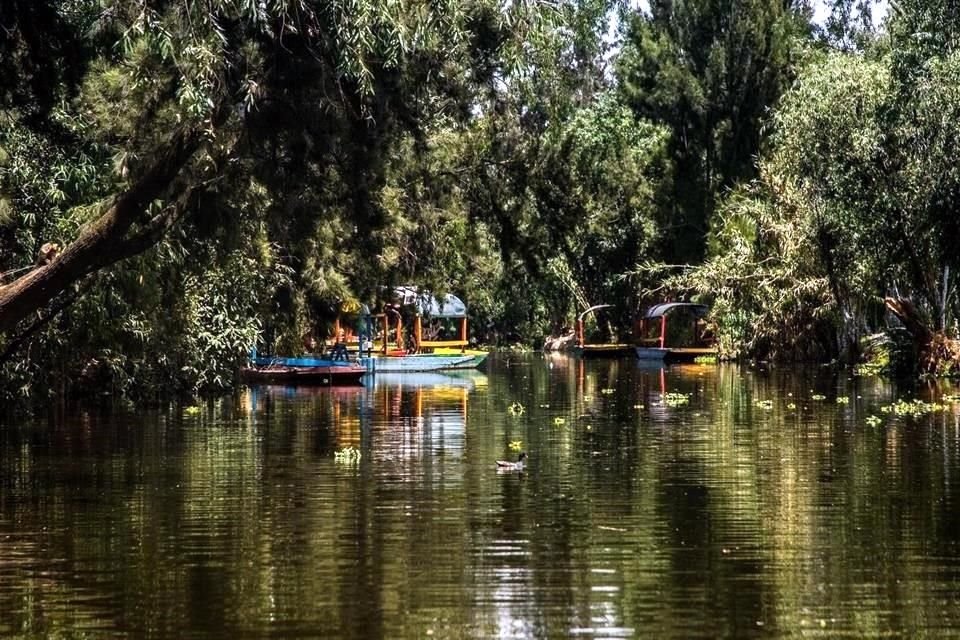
[(515, 409), (516, 445), (843, 400), (347, 455), (675, 399), (192, 410), (588, 398), (638, 406), (878, 364), (791, 406), (606, 392), (705, 360), (763, 404), (818, 396), (559, 421), (873, 421), (913, 409), (544, 406)]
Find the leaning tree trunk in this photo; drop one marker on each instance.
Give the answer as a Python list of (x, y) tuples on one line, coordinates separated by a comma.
[(124, 230), (939, 354)]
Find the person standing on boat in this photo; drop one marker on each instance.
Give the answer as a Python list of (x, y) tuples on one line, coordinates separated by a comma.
[(339, 351)]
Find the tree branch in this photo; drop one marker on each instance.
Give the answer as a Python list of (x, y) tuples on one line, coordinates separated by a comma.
[(101, 242), (43, 320)]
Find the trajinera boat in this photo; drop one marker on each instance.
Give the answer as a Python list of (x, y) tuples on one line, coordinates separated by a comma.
[(303, 370), (675, 332), (369, 343), (597, 350), (437, 341)]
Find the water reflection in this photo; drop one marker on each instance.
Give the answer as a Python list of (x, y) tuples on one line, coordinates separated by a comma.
[(762, 505)]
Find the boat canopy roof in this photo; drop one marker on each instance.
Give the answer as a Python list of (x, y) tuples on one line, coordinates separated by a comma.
[(595, 307), (699, 310), (446, 306)]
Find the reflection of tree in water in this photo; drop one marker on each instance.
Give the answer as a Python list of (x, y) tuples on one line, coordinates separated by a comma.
[(697, 519)]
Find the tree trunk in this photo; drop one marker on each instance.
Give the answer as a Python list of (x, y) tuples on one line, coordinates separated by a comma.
[(106, 240), (939, 355)]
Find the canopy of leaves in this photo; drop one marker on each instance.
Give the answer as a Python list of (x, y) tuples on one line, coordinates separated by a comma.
[(709, 71), (862, 182), (235, 171)]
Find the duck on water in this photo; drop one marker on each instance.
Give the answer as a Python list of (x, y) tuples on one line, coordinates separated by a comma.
[(506, 465)]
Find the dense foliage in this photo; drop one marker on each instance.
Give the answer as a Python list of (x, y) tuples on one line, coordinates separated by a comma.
[(219, 173), (855, 202), (709, 71)]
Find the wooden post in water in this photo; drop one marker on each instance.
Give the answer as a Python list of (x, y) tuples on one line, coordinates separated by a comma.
[(386, 331)]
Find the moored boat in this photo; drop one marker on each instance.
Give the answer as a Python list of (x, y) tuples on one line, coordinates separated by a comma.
[(675, 332), (303, 370), (597, 350), (606, 350), (437, 338), (422, 362)]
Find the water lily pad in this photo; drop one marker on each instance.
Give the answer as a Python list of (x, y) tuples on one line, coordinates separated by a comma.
[(347, 455), (675, 399)]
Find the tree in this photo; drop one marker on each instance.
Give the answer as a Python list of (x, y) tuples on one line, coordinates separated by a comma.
[(600, 189), (709, 71), (850, 24), (200, 96), (861, 177)]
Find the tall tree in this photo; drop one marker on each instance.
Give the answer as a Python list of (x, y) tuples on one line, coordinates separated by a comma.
[(42, 52), (850, 24), (856, 204), (710, 71)]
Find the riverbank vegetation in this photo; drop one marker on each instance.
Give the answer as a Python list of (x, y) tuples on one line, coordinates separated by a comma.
[(178, 180)]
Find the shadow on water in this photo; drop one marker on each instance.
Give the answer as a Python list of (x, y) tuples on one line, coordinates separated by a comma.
[(691, 501)]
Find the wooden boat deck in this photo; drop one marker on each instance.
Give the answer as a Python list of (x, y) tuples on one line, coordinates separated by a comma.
[(675, 354), (313, 375), (305, 369), (609, 350)]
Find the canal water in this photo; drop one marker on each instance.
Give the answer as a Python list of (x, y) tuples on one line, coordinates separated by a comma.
[(687, 502)]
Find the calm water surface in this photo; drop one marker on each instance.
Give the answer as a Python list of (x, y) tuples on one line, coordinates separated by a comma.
[(753, 510)]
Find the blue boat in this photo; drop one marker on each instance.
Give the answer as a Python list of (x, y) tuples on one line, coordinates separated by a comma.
[(303, 370)]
